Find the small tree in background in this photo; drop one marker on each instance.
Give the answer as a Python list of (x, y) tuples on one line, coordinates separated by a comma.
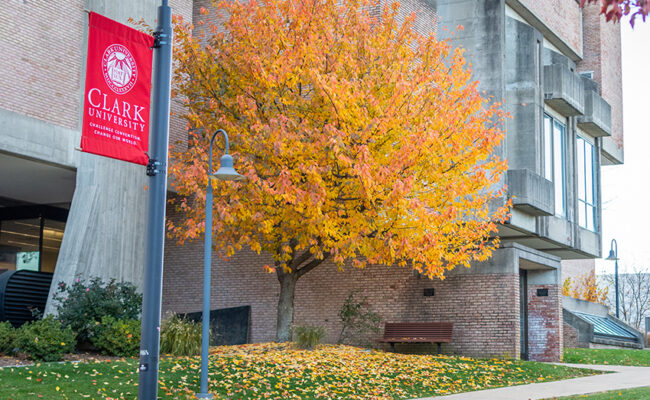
[(585, 287), (634, 296), (362, 141)]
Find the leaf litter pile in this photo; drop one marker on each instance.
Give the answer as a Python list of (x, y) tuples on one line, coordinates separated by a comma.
[(279, 371)]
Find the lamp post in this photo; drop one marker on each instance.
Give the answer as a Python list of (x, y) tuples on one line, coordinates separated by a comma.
[(226, 172), (613, 256), (155, 239)]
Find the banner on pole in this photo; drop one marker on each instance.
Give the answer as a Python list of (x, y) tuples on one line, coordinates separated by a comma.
[(117, 94)]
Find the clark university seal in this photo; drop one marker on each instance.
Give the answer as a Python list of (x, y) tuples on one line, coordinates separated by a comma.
[(119, 68)]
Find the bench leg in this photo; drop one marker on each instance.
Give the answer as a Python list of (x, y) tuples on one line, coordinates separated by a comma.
[(392, 347), (439, 345)]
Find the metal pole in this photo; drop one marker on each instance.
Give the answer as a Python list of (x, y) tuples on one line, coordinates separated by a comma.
[(207, 274), (616, 283), (157, 170), (614, 245)]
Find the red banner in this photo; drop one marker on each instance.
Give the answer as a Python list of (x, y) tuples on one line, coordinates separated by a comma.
[(117, 95)]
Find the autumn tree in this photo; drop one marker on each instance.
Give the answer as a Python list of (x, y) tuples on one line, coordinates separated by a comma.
[(362, 141), (585, 287), (615, 10)]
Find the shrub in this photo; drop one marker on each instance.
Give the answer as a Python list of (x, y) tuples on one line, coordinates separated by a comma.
[(7, 337), (308, 337), (180, 337), (45, 339), (357, 319), (117, 337), (83, 303)]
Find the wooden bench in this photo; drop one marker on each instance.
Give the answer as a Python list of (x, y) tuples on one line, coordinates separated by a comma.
[(417, 332)]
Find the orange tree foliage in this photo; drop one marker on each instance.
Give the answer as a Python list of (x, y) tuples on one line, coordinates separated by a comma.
[(362, 142), (614, 10), (585, 287)]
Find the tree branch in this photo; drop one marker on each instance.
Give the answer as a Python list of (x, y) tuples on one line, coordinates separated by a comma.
[(311, 265)]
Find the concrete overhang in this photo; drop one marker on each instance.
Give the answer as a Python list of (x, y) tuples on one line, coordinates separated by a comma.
[(532, 259), (597, 119), (34, 139), (530, 192), (549, 34), (612, 153), (551, 235), (564, 90), (29, 181)]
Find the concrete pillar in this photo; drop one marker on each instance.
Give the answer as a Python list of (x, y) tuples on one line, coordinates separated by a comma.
[(104, 234)]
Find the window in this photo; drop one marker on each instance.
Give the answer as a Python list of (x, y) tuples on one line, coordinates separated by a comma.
[(586, 195), (554, 159)]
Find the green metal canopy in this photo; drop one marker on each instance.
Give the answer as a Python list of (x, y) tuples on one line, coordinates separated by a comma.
[(604, 326)]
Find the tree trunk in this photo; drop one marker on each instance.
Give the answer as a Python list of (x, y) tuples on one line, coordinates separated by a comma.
[(285, 304)]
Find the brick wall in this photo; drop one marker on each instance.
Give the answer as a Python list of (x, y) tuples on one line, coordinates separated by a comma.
[(484, 308), (545, 323), (177, 125), (602, 55), (570, 336), (563, 17), (42, 43), (41, 47)]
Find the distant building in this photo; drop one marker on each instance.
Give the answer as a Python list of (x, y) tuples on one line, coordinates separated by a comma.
[(557, 67)]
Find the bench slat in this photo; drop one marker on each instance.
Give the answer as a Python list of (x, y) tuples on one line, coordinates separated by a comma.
[(418, 332)]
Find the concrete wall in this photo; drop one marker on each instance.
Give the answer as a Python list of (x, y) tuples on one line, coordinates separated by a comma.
[(42, 87), (581, 333), (105, 231), (584, 306), (483, 37), (524, 97)]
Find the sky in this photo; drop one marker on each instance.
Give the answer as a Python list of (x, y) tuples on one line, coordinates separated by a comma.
[(626, 188)]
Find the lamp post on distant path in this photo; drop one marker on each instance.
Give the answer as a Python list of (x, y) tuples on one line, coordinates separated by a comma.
[(226, 172), (613, 256)]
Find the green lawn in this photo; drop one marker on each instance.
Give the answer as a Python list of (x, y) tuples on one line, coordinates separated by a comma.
[(629, 394), (607, 356), (274, 371)]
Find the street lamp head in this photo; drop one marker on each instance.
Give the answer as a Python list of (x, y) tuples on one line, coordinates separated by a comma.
[(613, 251), (226, 172), (611, 256)]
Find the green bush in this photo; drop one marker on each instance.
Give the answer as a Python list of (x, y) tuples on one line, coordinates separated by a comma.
[(45, 339), (357, 319), (84, 303), (116, 337), (7, 338), (308, 337), (180, 337)]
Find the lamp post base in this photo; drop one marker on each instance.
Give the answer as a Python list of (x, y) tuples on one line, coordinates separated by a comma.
[(203, 395)]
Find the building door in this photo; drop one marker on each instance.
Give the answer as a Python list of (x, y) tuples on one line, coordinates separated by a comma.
[(30, 237), (523, 313)]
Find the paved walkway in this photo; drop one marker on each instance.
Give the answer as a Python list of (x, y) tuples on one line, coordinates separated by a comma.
[(622, 378)]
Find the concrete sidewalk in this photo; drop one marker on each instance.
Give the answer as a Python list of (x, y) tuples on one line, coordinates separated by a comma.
[(621, 378)]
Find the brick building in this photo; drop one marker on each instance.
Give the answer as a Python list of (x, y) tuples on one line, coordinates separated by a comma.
[(557, 67)]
